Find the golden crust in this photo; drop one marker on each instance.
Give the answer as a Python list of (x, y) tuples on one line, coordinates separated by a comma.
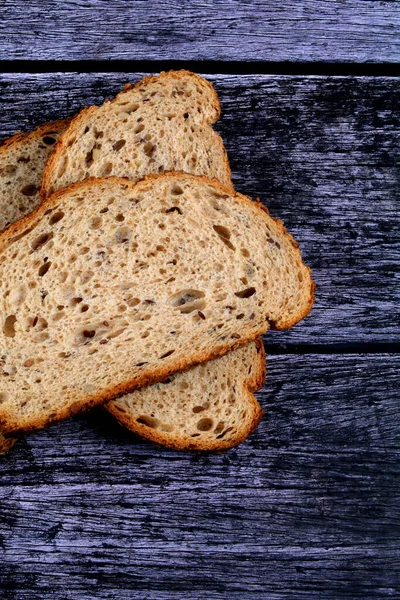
[(12, 234)]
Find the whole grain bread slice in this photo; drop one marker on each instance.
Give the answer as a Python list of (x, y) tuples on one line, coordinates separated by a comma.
[(210, 407), (22, 161), (36, 147), (113, 284), (162, 123)]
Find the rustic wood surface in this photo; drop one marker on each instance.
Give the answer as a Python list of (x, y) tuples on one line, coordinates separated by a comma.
[(311, 30), (322, 153), (307, 508)]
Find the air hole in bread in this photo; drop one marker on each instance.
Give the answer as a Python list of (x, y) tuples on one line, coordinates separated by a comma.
[(120, 218), (49, 140), (89, 158), (139, 128), (107, 169), (188, 300), (224, 235), (116, 333), (41, 241), (167, 354), (75, 301), (44, 268), (246, 293), (8, 170), (174, 209), (9, 326), (197, 409), (224, 432), (132, 301), (205, 424), (176, 190), (56, 217), (149, 149), (151, 422), (219, 427), (63, 167), (29, 190), (245, 252), (118, 145)]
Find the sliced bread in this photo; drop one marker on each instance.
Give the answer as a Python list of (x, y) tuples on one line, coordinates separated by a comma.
[(162, 123), (22, 161), (117, 285), (210, 407)]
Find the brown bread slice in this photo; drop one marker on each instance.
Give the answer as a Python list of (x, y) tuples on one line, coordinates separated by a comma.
[(162, 123), (210, 407), (22, 161), (113, 284), (35, 152), (169, 128)]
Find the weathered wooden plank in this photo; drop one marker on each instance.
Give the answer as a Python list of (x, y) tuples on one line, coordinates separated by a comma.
[(313, 30), (307, 508), (322, 153)]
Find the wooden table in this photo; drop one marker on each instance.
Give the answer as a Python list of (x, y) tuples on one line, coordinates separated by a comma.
[(309, 506)]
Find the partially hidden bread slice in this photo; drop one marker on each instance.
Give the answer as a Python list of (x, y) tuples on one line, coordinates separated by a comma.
[(22, 161), (116, 285), (210, 407), (162, 123)]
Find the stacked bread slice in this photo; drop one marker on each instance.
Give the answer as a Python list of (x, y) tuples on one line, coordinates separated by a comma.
[(115, 289)]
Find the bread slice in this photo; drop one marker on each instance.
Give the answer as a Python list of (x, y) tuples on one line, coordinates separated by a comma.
[(22, 161), (34, 148), (210, 407), (161, 123), (117, 285)]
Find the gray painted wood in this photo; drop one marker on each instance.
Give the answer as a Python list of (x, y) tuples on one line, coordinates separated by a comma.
[(322, 153), (307, 508), (311, 30)]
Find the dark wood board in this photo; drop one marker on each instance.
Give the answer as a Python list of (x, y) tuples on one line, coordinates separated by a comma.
[(322, 153), (313, 30), (307, 508)]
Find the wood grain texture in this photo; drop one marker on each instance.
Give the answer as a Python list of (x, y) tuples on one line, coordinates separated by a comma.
[(322, 153), (311, 30), (307, 508)]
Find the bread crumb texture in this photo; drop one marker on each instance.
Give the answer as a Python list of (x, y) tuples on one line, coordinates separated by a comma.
[(110, 285)]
